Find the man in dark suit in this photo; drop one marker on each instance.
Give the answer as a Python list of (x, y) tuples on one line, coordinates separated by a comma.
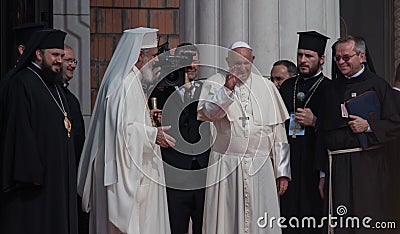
[(185, 164)]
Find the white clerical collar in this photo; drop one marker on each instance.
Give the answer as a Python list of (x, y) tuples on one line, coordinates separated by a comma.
[(397, 89), (36, 65), (358, 73), (307, 78)]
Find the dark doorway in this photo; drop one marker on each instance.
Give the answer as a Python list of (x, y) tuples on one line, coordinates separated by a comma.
[(372, 20), (17, 12)]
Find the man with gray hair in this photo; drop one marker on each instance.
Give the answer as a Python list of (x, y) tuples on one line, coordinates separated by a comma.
[(248, 115), (358, 118), (120, 175)]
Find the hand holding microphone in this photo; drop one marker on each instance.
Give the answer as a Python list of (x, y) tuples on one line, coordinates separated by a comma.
[(304, 116), (300, 98)]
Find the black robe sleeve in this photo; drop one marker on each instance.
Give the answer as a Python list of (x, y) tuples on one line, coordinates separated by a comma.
[(19, 148)]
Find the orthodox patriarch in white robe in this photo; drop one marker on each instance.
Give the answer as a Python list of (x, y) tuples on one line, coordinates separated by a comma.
[(250, 155), (120, 175)]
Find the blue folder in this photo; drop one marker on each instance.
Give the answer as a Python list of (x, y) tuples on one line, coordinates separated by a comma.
[(366, 106)]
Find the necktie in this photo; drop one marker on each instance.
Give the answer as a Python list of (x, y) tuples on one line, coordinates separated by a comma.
[(186, 96)]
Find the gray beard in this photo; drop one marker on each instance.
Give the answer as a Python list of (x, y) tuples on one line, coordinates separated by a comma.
[(147, 76)]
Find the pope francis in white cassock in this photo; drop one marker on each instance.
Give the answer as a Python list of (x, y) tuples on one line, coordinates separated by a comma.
[(120, 175), (250, 142)]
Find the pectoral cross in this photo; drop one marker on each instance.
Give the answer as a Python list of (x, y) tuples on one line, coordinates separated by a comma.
[(244, 120), (295, 128)]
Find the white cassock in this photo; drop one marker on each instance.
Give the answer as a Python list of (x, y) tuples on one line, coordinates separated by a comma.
[(120, 175), (249, 124)]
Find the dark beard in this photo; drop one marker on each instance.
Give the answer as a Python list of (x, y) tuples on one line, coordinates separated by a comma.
[(311, 73), (51, 77)]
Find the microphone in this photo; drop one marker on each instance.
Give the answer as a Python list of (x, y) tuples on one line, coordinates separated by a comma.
[(300, 100)]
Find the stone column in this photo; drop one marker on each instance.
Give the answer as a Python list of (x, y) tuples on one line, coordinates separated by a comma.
[(187, 14), (270, 26), (72, 16)]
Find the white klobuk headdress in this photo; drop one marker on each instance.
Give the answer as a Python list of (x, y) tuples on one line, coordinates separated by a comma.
[(127, 52)]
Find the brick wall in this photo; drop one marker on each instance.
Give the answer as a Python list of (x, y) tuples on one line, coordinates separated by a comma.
[(108, 18)]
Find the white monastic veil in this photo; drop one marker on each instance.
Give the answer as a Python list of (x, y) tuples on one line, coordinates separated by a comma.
[(123, 60), (126, 55)]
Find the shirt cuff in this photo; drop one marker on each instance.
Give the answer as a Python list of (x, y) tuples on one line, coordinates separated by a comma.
[(369, 129)]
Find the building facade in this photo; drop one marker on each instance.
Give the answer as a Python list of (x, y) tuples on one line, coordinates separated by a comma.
[(95, 26)]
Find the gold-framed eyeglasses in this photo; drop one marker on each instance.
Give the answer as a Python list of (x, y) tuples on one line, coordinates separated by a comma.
[(345, 58), (71, 61)]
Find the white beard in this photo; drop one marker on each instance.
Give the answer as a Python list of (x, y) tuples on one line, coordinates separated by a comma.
[(147, 75)]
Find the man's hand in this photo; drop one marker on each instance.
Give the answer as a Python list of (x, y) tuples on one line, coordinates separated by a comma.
[(321, 187), (305, 117), (163, 139), (358, 124), (230, 81), (282, 184)]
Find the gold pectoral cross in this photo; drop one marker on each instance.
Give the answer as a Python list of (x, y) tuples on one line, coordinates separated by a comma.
[(67, 124), (295, 128)]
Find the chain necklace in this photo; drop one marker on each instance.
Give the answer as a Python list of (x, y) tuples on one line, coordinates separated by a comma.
[(245, 87), (67, 123), (309, 98), (305, 104)]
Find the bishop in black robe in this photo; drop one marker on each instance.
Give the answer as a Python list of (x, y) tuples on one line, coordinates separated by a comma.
[(38, 174)]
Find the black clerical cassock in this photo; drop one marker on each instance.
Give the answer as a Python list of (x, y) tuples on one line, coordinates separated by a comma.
[(359, 179), (38, 174)]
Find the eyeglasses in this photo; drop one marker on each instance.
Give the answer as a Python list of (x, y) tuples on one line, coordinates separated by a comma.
[(71, 61), (345, 58)]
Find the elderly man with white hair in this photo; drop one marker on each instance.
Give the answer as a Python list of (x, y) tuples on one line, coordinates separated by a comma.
[(120, 176), (248, 115)]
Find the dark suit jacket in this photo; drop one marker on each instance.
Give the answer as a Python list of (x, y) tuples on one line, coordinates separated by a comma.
[(193, 136)]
